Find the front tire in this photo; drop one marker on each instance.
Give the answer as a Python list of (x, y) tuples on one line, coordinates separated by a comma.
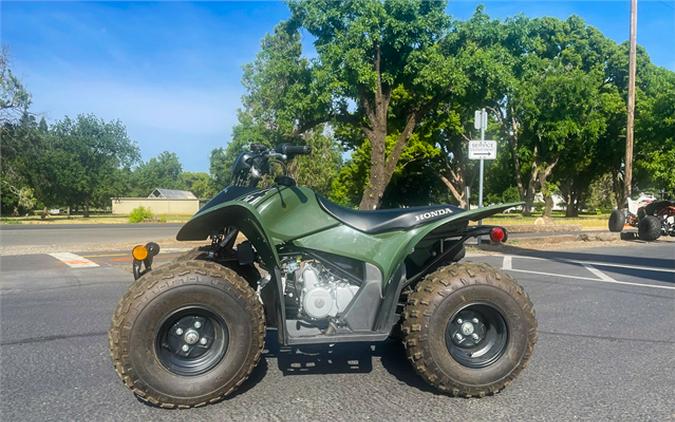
[(649, 228), (469, 330), (616, 221), (187, 334)]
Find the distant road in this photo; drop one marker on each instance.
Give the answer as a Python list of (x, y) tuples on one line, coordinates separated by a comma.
[(78, 234), (69, 236)]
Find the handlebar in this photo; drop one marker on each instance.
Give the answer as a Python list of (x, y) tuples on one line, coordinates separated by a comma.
[(288, 149), (251, 165)]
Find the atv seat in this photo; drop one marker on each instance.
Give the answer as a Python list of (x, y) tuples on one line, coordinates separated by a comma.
[(379, 221)]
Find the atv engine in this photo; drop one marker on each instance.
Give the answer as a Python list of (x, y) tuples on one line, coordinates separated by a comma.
[(316, 292)]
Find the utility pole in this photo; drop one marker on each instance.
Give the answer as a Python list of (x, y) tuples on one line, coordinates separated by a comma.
[(630, 119), (480, 122), (483, 126)]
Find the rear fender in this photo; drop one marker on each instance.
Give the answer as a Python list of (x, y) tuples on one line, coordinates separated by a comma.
[(456, 222), (452, 226)]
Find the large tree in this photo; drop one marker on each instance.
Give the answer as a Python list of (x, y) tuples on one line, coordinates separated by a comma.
[(82, 161), (163, 171), (23, 142), (14, 97), (383, 68), (283, 104), (198, 183)]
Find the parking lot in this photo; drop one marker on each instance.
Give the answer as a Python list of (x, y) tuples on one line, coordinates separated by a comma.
[(606, 348)]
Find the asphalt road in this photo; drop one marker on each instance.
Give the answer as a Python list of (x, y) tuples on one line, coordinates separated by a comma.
[(69, 235), (606, 350)]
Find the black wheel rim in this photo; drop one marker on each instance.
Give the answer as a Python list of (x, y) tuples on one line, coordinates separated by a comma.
[(477, 335), (191, 341)]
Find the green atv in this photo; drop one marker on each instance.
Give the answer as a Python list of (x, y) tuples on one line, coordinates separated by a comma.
[(190, 332)]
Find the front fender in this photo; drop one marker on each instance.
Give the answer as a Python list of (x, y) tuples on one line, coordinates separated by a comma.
[(233, 214)]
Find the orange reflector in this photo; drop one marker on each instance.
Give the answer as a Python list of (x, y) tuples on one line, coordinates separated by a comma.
[(139, 252)]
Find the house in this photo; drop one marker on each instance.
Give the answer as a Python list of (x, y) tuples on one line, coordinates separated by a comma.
[(160, 201), (171, 194)]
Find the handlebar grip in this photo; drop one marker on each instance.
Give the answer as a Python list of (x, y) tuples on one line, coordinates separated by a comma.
[(294, 149)]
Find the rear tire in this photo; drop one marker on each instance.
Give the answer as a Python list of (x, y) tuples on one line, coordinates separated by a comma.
[(616, 221), (649, 228), (146, 345), (498, 312)]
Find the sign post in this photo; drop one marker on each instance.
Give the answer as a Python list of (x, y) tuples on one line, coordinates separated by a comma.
[(481, 150)]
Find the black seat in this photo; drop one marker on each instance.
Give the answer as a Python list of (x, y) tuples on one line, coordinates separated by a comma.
[(379, 221)]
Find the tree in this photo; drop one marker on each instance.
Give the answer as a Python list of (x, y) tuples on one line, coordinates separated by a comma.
[(22, 144), (163, 171), (477, 46), (198, 183), (655, 131), (81, 161), (14, 98), (283, 104), (382, 67), (319, 169), (220, 166), (19, 135)]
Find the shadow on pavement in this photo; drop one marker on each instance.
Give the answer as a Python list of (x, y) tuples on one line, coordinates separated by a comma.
[(344, 358)]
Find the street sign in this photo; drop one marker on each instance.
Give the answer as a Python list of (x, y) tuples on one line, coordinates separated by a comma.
[(480, 119), (482, 150)]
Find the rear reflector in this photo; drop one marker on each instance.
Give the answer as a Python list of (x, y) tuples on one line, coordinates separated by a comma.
[(497, 235)]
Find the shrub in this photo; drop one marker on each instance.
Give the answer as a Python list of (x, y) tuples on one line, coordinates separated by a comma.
[(140, 214)]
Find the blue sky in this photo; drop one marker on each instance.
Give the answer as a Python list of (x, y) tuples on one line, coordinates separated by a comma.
[(171, 71)]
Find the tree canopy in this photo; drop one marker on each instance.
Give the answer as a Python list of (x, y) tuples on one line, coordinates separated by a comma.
[(386, 101)]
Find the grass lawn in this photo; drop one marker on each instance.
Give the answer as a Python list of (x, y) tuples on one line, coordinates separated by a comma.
[(93, 219), (584, 221)]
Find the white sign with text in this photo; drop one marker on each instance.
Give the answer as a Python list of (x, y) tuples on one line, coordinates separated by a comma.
[(486, 150)]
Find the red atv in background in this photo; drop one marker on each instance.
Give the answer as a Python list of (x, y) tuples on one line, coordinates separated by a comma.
[(652, 218)]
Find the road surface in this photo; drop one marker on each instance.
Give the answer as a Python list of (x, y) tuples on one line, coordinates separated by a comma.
[(69, 235), (606, 350)]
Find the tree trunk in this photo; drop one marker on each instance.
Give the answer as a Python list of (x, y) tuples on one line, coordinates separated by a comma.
[(376, 112), (531, 190), (544, 173), (372, 194), (572, 208), (514, 127), (457, 189), (548, 200)]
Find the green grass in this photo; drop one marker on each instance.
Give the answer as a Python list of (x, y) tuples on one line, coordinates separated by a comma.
[(585, 221), (92, 219)]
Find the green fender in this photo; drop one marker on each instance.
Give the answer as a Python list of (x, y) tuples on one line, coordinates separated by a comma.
[(387, 250), (468, 215), (460, 218), (243, 216)]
